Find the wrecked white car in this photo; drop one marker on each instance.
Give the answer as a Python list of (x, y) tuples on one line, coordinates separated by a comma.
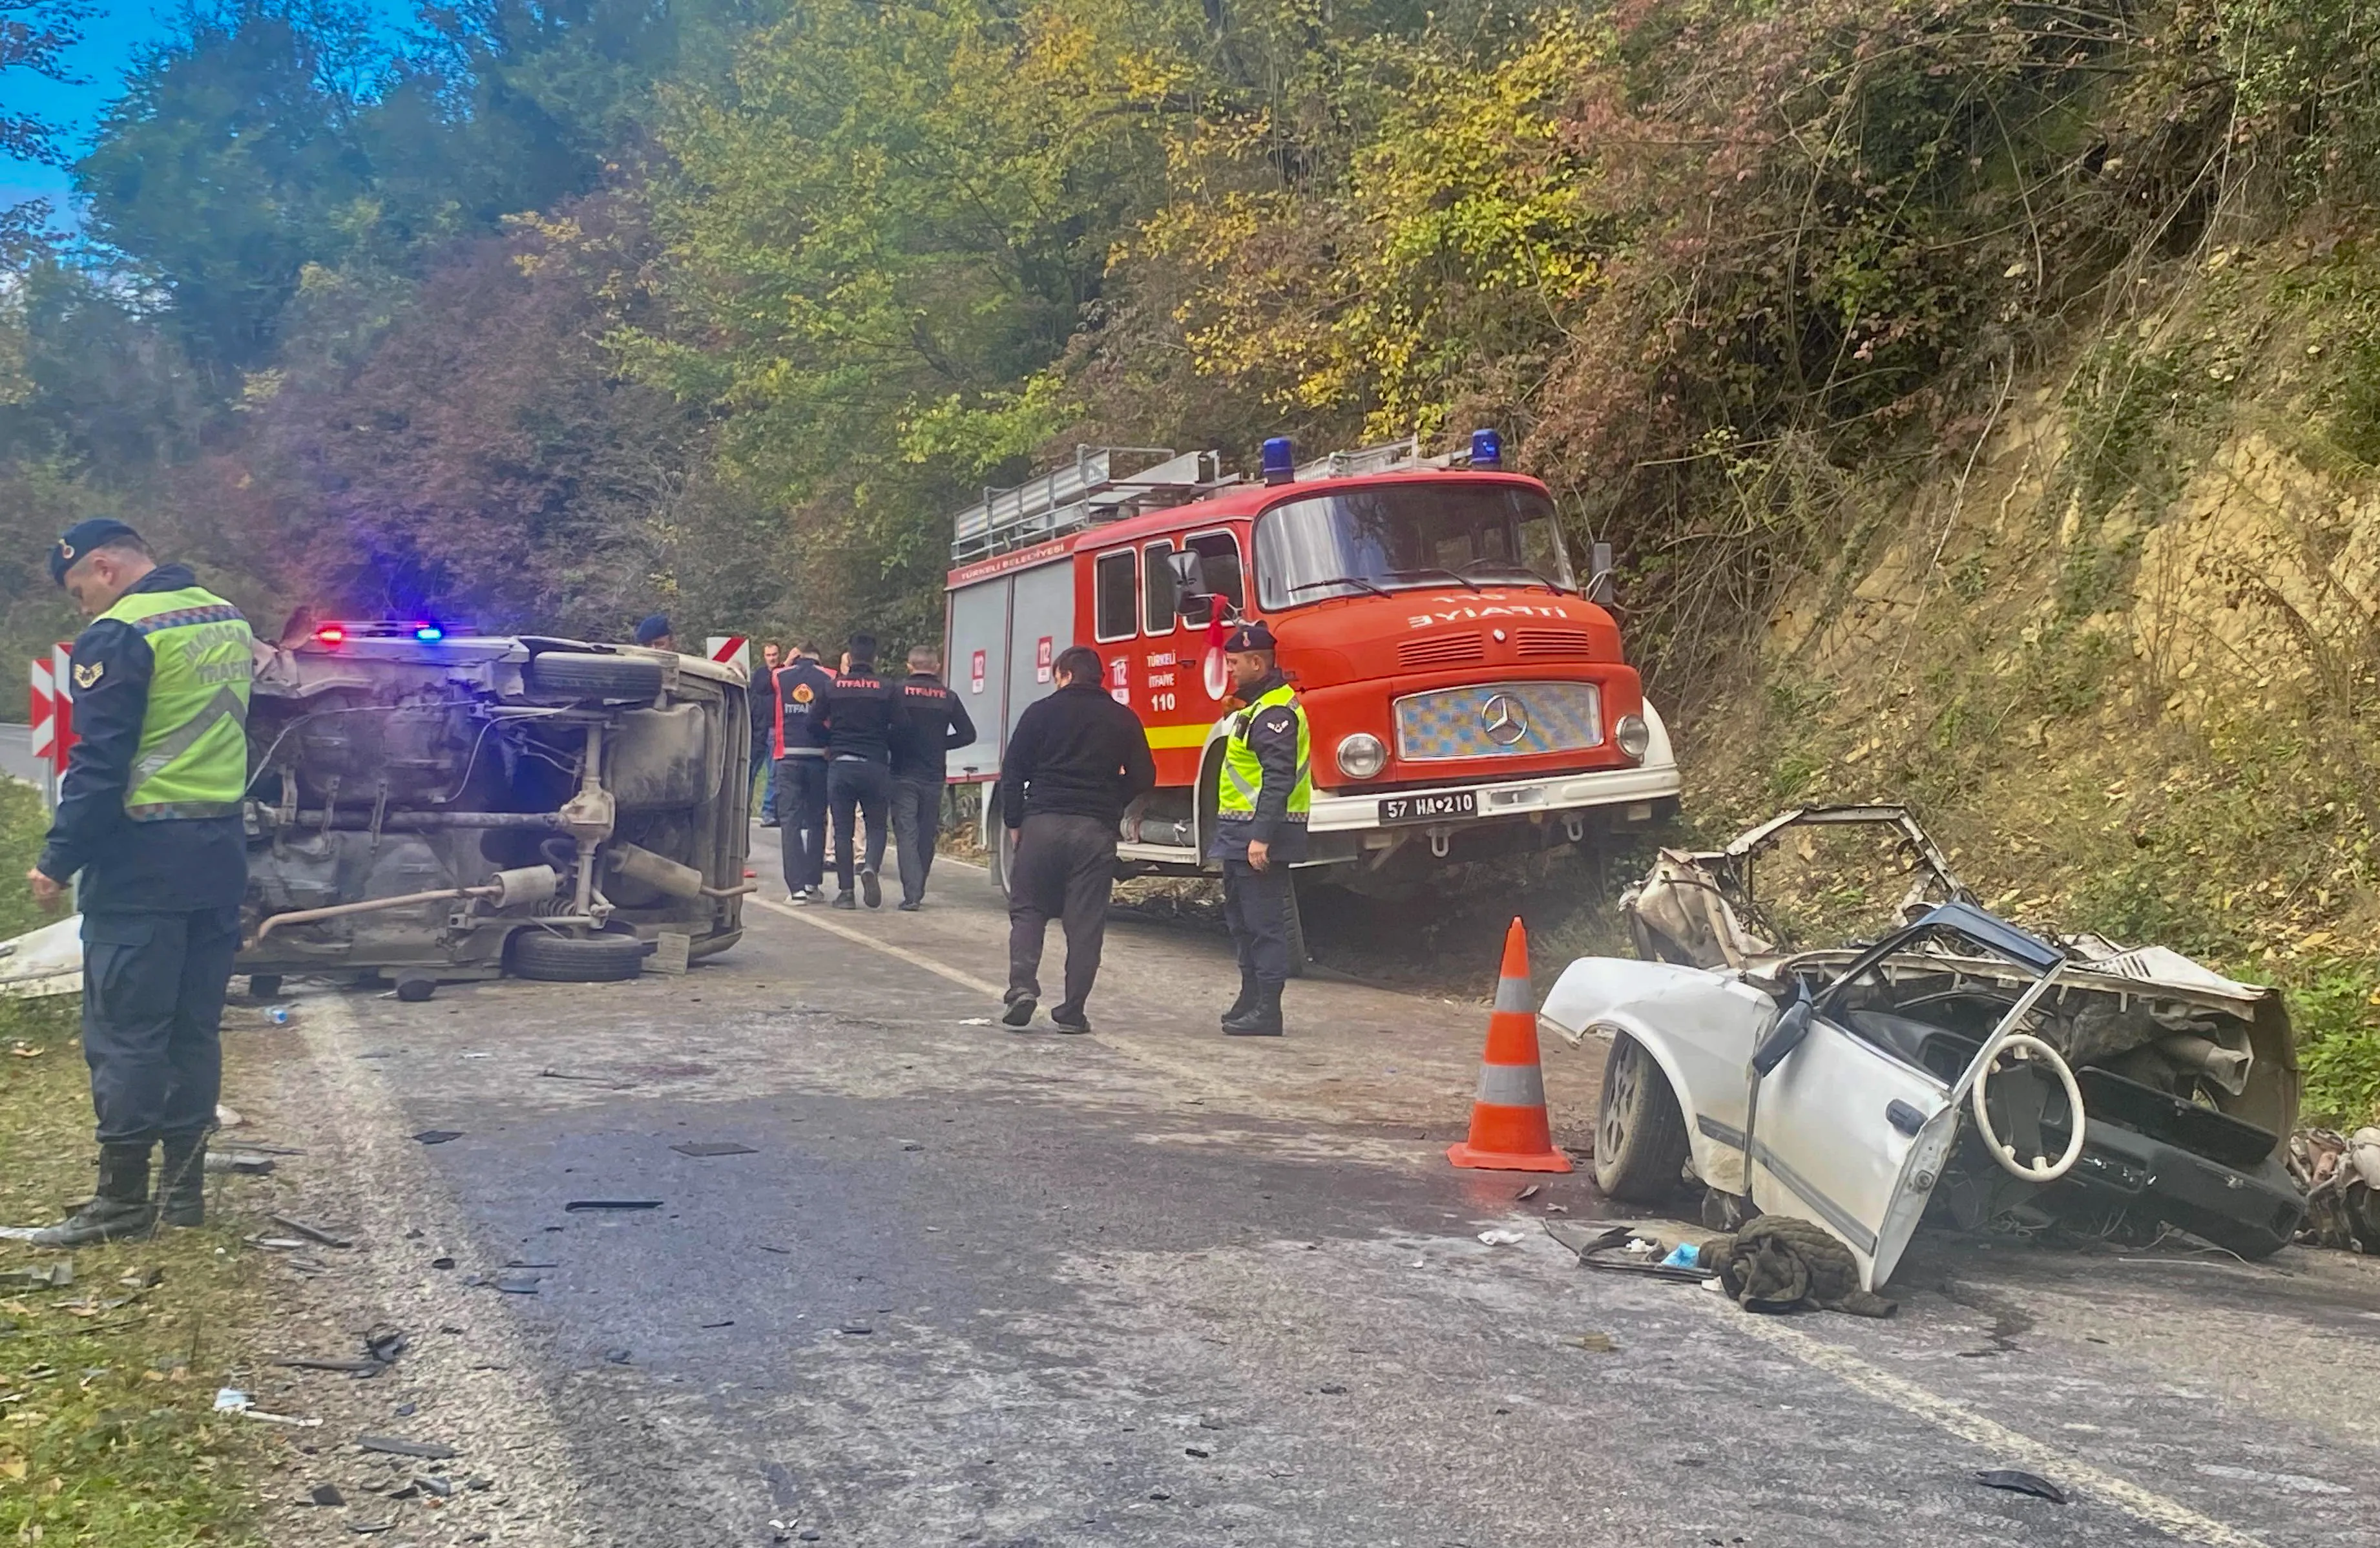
[(456, 808), (1960, 1065)]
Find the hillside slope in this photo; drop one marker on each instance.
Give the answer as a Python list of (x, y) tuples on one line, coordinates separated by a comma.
[(2124, 658)]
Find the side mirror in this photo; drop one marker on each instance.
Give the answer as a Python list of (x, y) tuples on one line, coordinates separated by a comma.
[(1599, 589), (1784, 1037), (1189, 570)]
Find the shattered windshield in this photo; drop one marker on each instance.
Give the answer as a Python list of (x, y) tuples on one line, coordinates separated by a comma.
[(1355, 541)]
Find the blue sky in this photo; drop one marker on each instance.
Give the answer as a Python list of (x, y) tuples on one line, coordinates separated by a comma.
[(119, 33)]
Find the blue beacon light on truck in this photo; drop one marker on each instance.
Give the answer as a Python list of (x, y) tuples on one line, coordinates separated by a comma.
[(1280, 460), (1486, 450), (428, 633)]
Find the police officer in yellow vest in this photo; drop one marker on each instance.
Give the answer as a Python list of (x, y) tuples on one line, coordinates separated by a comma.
[(150, 815), (1266, 793)]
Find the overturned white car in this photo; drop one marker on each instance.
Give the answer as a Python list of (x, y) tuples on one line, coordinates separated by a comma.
[(1959, 1063)]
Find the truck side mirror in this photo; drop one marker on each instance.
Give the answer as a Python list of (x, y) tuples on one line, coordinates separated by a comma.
[(1599, 589), (1189, 570)]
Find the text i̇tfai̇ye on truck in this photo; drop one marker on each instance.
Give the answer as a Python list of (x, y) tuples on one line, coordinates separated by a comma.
[(1468, 699)]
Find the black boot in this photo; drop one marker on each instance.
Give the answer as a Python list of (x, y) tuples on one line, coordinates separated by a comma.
[(119, 1208), (1261, 1020), (1249, 989), (182, 1179)]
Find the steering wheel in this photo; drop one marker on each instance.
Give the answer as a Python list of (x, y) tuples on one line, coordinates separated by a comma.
[(2028, 1048)]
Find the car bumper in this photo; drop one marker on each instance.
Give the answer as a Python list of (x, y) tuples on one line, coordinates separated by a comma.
[(1644, 784)]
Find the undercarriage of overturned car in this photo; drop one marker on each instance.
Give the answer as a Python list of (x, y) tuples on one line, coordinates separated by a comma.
[(454, 807), (1958, 1069)]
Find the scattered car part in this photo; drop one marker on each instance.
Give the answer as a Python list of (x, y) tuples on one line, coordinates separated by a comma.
[(391, 1445), (2020, 1483), (554, 958)]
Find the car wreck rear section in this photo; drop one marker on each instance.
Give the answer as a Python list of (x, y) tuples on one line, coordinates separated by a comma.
[(1862, 1087), (463, 807)]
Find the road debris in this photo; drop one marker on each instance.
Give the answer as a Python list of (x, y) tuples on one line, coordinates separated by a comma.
[(434, 1484), (415, 988), (2341, 1176), (577, 1206), (56, 1276), (700, 1149), (392, 1446), (327, 1494), (1593, 1343), (386, 1341), (2021, 1484), (231, 1400), (345, 1367), (1531, 1191), (311, 1233), (518, 1283), (247, 1161), (438, 1136), (1500, 1237)]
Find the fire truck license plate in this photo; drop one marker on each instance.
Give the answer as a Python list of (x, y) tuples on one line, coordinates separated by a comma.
[(1429, 808)]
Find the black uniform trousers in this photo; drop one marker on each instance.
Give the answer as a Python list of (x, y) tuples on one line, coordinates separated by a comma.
[(916, 828), (1256, 905), (861, 787), (801, 808), (152, 1000), (1064, 869)]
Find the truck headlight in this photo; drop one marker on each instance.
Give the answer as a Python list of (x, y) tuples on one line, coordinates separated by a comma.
[(1361, 756), (1633, 736)]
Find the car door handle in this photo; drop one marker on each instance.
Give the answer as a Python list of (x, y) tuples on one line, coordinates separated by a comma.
[(1904, 1118)]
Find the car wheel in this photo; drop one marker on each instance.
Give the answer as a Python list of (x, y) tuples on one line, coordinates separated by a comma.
[(1640, 1135), (583, 675), (550, 959)]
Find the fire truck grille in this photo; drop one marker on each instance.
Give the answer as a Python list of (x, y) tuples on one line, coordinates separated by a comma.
[(1498, 720), (1555, 644), (1447, 650)]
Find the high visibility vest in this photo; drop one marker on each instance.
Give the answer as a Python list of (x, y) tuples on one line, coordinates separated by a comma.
[(193, 757), (1242, 773)]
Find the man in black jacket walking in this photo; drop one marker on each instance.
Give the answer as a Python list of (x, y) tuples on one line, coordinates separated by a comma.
[(933, 722), (1076, 760), (797, 690), (858, 719)]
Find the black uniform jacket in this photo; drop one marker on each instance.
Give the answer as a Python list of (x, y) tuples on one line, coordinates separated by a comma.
[(932, 725)]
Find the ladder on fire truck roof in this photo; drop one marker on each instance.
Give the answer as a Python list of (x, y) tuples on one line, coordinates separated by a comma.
[(1103, 483)]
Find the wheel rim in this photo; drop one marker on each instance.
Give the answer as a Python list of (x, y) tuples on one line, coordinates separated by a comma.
[(1618, 1100)]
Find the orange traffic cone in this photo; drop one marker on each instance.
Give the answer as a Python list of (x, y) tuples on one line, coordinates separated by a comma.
[(1509, 1131)]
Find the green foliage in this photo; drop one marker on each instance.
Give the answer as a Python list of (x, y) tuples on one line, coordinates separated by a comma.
[(2337, 1024)]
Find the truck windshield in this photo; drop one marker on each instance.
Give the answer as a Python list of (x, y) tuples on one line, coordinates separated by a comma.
[(1365, 541)]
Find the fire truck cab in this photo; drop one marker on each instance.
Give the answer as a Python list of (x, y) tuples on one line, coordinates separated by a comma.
[(1469, 699)]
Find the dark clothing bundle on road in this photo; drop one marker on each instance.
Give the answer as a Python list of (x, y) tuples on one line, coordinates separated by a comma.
[(129, 866), (1077, 754), (1776, 1264)]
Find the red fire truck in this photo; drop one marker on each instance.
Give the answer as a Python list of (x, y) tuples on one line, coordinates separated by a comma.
[(1468, 699)]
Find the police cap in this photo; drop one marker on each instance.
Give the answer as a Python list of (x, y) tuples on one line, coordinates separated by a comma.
[(81, 537), (1249, 637), (653, 627)]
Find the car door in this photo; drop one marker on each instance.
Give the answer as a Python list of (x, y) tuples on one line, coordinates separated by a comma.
[(1850, 1136)]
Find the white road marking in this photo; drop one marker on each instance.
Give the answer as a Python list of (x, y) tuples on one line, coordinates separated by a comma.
[(2012, 1449)]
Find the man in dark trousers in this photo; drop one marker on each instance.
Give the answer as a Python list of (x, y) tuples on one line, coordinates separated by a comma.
[(799, 742), (150, 815), (933, 724), (763, 703), (1262, 802), (856, 716), (1076, 760)]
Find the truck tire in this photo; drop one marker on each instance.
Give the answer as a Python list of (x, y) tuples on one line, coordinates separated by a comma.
[(1640, 1134), (1000, 853), (584, 674), (550, 958)]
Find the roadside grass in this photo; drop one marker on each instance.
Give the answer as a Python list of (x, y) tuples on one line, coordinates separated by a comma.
[(106, 1383)]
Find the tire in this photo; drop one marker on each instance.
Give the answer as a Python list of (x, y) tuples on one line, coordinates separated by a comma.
[(1640, 1135), (583, 675), (1000, 854), (550, 958)]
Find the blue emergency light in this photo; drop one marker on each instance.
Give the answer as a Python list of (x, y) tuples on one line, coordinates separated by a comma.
[(428, 632), (1486, 450), (1280, 460)]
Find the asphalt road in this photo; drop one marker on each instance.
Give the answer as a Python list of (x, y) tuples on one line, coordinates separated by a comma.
[(1154, 1286)]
